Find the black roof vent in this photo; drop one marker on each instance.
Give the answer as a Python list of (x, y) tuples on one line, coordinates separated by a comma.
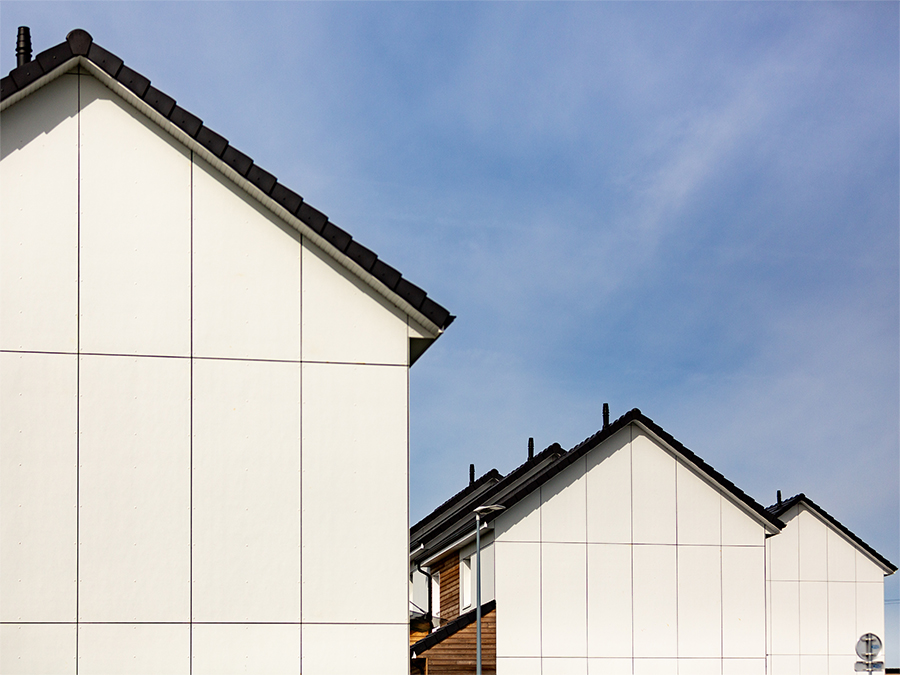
[(23, 46), (530, 448), (605, 415), (778, 497), (471, 474)]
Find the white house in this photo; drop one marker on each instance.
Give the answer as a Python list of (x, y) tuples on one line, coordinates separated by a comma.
[(825, 588), (203, 422), (629, 554)]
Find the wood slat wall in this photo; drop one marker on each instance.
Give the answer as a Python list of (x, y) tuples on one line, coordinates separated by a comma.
[(449, 571), (456, 654)]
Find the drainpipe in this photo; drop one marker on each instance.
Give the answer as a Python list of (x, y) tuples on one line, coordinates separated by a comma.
[(428, 575)]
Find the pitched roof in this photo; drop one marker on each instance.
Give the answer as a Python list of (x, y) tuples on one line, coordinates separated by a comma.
[(532, 474), (80, 48), (781, 508), (445, 631)]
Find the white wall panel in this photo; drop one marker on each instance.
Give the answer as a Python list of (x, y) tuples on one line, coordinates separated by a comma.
[(744, 666), (784, 550), (609, 600), (784, 664), (813, 617), (655, 666), (699, 601), (250, 648), (698, 509), (842, 633), (841, 557), (521, 522), (518, 599), (39, 220), (813, 551), (870, 608), (563, 505), (866, 570), (339, 649), (564, 600), (246, 479), (135, 489), (354, 493), (37, 649), (653, 492), (129, 649), (612, 666), (246, 274), (743, 602), (738, 528), (655, 601), (560, 666), (844, 663), (785, 613), (38, 484), (135, 231), (520, 666), (344, 319), (608, 476), (688, 666), (813, 664)]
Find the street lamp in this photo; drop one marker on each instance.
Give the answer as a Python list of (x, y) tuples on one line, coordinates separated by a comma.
[(480, 511)]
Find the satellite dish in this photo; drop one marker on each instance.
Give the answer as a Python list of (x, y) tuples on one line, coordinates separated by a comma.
[(868, 647)]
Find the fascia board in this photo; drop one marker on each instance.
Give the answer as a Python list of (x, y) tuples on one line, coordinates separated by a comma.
[(459, 543)]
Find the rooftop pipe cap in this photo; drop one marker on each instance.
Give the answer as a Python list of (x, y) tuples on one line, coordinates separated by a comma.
[(23, 46), (80, 41)]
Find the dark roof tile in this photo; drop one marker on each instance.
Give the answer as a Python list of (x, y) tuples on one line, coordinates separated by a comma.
[(7, 87), (26, 74), (386, 274), (51, 58), (237, 160), (361, 255), (289, 199), (79, 41), (312, 217), (261, 179), (412, 293), (212, 141), (188, 123), (105, 60), (133, 80), (160, 102), (336, 236)]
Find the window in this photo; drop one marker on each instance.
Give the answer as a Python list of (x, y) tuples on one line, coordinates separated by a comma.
[(465, 582)]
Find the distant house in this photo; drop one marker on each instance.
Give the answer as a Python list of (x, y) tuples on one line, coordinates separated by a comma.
[(203, 421), (630, 554)]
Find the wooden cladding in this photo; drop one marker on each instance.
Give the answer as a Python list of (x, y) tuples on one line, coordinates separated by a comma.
[(448, 568), (456, 654)]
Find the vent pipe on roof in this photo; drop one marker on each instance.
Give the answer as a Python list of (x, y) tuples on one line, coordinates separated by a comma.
[(605, 415), (530, 448), (471, 473), (23, 46), (778, 496)]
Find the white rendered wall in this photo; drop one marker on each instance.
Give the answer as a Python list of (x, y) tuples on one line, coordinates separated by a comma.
[(203, 435), (629, 561), (823, 594)]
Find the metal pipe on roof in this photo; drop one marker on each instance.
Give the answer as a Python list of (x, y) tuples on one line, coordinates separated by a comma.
[(23, 46)]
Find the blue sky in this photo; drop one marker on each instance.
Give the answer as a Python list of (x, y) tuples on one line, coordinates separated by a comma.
[(688, 208)]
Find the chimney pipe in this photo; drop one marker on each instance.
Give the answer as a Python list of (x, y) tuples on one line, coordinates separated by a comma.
[(778, 496), (23, 46), (530, 448), (471, 473), (605, 415)]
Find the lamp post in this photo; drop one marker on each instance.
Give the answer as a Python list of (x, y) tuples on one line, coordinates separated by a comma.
[(480, 511)]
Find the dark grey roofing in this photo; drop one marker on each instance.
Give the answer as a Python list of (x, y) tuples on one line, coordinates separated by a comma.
[(781, 508), (80, 43), (454, 505), (534, 473), (445, 631)]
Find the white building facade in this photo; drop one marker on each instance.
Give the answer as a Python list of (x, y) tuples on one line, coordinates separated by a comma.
[(203, 423), (629, 554)]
